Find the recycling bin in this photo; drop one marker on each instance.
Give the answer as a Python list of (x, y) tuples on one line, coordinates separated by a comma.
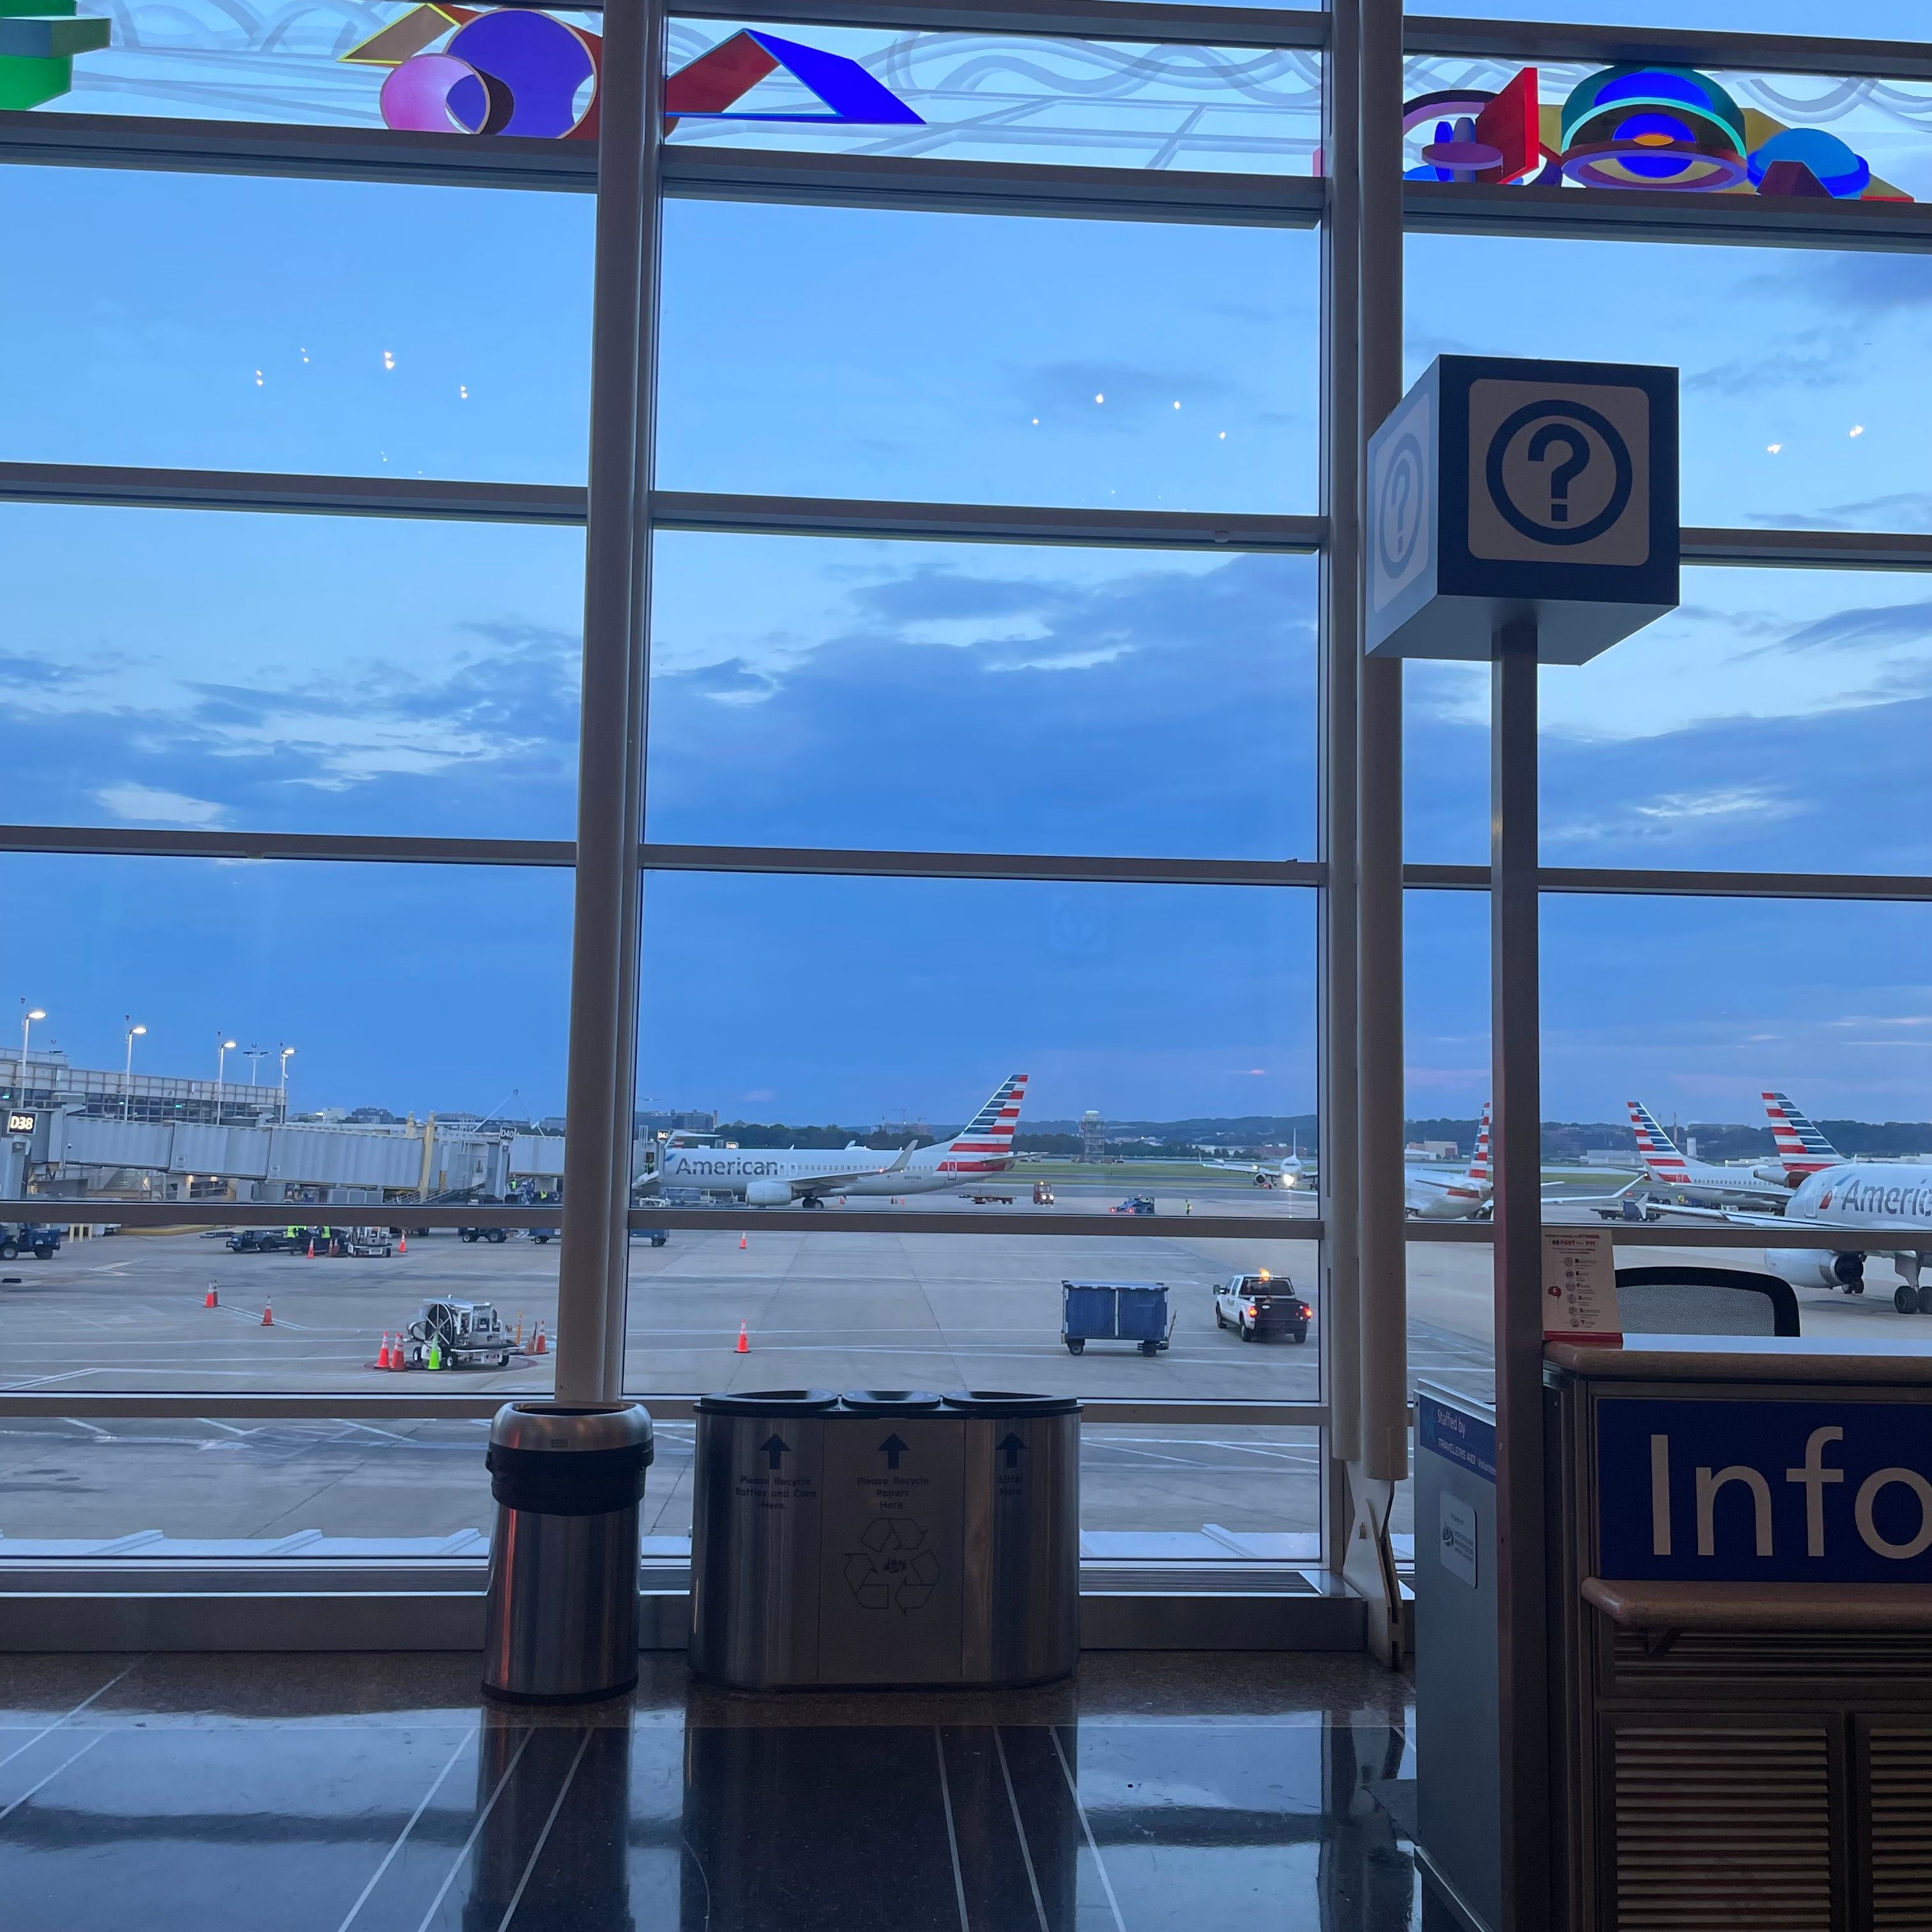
[(885, 1537), (1021, 1620), (759, 1489), (560, 1621)]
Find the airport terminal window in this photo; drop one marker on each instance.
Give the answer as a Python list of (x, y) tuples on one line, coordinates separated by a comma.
[(1115, 364), (225, 322), (1803, 396), (366, 684), (1719, 737), (860, 694), (404, 991), (423, 677)]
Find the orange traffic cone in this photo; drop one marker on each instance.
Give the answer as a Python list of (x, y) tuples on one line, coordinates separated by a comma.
[(744, 1341), (398, 1356), (402, 1244), (268, 1315), (311, 1247), (211, 1300), (540, 1346), (741, 1240), (382, 1356)]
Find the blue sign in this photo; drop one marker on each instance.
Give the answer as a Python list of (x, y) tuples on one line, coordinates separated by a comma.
[(1500, 491), (1764, 1492), (1467, 1441)]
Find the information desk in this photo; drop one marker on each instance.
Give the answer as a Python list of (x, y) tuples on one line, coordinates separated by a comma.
[(1740, 1634)]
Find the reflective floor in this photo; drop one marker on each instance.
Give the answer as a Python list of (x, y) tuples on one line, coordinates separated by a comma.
[(377, 1794)]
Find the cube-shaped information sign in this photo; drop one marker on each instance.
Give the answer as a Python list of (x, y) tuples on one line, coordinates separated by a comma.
[(1500, 490)]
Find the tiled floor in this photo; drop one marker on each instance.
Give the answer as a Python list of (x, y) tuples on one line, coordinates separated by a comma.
[(378, 1794)]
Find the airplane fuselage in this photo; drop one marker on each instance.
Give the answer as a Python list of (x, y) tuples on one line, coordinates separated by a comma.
[(735, 1170)]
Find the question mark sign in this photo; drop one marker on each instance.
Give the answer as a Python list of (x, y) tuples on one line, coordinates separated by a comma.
[(1563, 474), (1400, 484)]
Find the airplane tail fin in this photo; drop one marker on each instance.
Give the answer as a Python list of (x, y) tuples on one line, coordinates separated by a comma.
[(1801, 1145), (984, 1144), (1479, 1162), (1655, 1148)]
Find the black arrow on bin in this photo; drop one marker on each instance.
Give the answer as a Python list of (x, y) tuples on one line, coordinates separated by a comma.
[(1010, 1448), (894, 1449), (774, 1446)]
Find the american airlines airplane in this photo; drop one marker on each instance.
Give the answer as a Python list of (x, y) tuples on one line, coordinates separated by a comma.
[(778, 1177), (1699, 1180), (1431, 1194), (1802, 1146), (1831, 1192)]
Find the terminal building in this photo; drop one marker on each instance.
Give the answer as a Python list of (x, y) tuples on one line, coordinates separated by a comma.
[(1158, 561)]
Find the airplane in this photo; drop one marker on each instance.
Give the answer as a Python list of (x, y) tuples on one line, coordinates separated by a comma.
[(1665, 1167), (1849, 1195), (1292, 1172), (1802, 1148), (778, 1177), (1432, 1194)]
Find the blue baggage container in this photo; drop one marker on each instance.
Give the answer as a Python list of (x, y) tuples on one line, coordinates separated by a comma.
[(1115, 1311)]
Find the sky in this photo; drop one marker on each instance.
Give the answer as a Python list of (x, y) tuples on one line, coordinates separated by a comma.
[(211, 669)]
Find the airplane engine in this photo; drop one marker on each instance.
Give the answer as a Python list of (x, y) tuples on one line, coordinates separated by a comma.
[(1811, 1267), (768, 1193)]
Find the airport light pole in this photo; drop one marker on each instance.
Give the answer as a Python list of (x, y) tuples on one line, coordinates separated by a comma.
[(128, 1071), (20, 1078), (220, 1062), (286, 1052)]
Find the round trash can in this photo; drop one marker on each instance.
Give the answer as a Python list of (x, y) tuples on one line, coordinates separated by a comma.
[(561, 1619), (1021, 1493)]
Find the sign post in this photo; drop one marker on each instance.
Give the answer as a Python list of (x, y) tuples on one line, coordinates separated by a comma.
[(1525, 513)]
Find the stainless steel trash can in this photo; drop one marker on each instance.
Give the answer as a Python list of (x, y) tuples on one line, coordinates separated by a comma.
[(1021, 1621), (886, 1537), (561, 1621), (759, 1486)]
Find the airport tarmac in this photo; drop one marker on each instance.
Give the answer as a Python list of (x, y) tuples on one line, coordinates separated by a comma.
[(835, 1308)]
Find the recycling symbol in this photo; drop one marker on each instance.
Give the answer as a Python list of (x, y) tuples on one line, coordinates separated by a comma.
[(892, 1571)]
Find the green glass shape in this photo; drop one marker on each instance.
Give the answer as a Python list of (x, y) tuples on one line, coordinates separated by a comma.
[(53, 39), (28, 83)]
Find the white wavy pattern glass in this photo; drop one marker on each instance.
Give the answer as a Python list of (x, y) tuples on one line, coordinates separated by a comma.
[(975, 96)]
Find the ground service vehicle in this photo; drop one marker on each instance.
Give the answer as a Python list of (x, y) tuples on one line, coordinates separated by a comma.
[(1262, 1308), (1042, 1194), (1135, 1204), (41, 1242), (266, 1240), (462, 1334), (1115, 1311), (657, 1236), (496, 1236), (367, 1242)]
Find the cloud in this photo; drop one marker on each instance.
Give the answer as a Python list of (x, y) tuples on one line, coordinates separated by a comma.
[(145, 805), (1903, 510), (1786, 369), (1675, 817)]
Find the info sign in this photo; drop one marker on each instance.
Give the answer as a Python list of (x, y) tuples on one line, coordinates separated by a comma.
[(1503, 490)]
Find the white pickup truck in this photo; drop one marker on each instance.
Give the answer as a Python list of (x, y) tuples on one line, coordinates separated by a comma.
[(1262, 1307)]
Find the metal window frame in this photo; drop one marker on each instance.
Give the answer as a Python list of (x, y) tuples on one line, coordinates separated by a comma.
[(1360, 254)]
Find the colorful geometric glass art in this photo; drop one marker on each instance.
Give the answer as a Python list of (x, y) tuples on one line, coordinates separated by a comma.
[(38, 40), (1843, 175), (1631, 126), (513, 70), (708, 88), (1653, 127)]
